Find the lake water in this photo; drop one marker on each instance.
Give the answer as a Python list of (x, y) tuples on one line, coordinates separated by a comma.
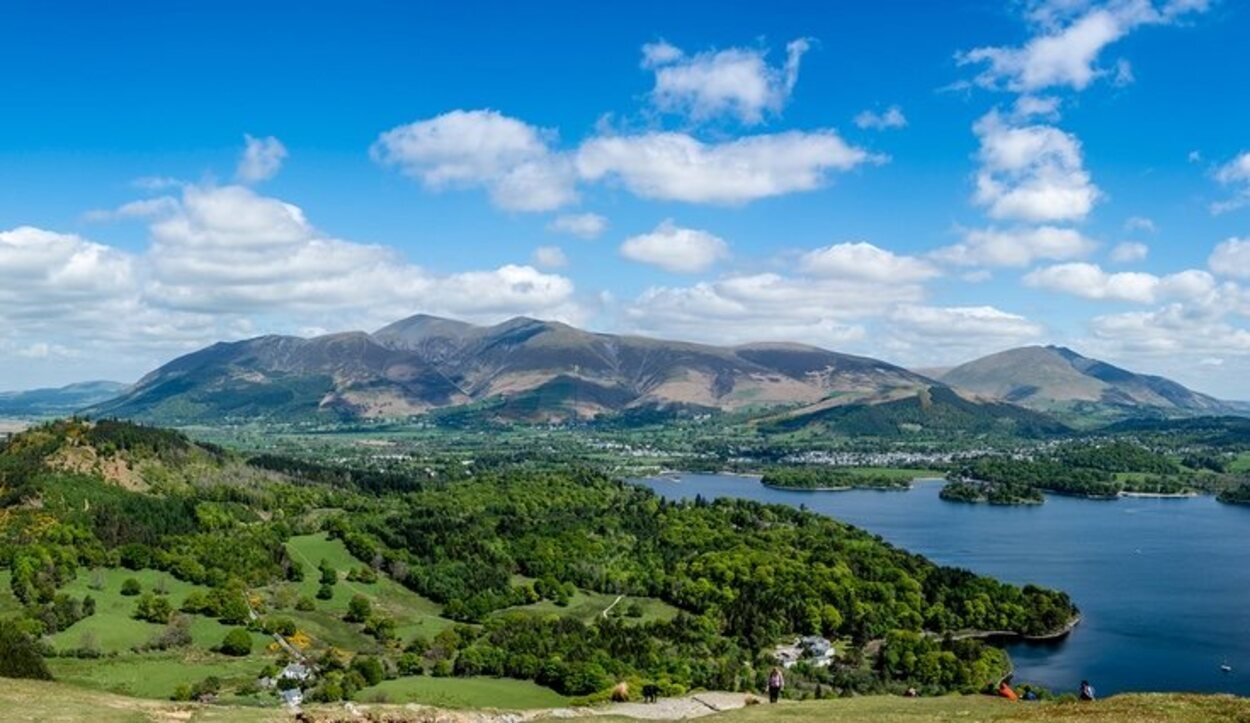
[(1163, 584)]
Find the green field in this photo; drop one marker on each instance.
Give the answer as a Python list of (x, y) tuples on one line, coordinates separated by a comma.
[(114, 630), (500, 693), (154, 675), (413, 613), (1240, 465), (586, 606)]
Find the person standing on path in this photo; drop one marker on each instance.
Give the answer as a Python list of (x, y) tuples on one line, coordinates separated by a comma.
[(775, 683)]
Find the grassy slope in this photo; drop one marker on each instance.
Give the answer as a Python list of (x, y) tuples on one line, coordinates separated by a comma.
[(413, 614), (154, 675), (459, 693), (112, 626), (588, 606)]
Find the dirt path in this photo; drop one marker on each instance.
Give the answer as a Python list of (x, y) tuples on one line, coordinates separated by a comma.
[(608, 609)]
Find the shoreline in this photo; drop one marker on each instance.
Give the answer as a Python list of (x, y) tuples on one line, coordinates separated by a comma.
[(1160, 495), (848, 488), (1009, 635)]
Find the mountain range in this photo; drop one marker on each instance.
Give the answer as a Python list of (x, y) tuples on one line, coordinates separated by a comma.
[(542, 371), (58, 401)]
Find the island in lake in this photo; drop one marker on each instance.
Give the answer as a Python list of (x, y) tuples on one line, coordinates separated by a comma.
[(837, 479)]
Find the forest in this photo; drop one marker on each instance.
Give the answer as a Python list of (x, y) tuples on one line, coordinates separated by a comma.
[(442, 575)]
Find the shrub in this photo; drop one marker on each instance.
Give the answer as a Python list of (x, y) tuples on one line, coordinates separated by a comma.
[(131, 587), (237, 643), (358, 609)]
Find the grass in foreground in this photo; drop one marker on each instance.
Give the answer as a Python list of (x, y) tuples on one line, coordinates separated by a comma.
[(24, 700), (1139, 708)]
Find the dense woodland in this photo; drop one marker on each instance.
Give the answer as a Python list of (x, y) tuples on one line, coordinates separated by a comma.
[(742, 576)]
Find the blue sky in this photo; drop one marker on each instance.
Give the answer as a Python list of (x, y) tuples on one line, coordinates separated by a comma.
[(922, 182)]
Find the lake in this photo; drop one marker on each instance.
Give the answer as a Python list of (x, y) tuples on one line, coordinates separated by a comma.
[(1163, 584)]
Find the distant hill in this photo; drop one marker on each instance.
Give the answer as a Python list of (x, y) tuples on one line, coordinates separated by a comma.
[(934, 410), (1058, 380), (520, 369), (59, 401)]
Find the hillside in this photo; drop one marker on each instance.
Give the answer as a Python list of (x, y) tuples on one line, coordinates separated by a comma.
[(57, 401), (521, 369), (1058, 380), (219, 569), (933, 410)]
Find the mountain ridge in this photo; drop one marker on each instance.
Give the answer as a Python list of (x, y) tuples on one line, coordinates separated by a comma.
[(424, 362), (1056, 379)]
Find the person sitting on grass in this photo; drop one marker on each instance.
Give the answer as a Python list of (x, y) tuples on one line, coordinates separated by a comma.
[(1087, 691)]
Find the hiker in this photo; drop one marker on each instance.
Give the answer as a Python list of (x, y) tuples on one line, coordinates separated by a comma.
[(775, 683), (1005, 691), (1087, 690)]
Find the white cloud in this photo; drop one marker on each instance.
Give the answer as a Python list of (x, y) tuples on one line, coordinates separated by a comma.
[(512, 160), (1178, 332), (261, 160), (892, 118), (677, 167), (1089, 281), (1028, 107), (1129, 252), (676, 249), (1015, 247), (975, 326), (1031, 173), (865, 261), (1232, 258), (585, 225), (1236, 175), (735, 82), (1072, 35), (222, 263), (1139, 223), (550, 257)]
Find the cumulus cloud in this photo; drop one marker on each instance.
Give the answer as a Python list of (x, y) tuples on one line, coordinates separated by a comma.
[(1129, 252), (975, 327), (1032, 173), (223, 262), (1235, 175), (676, 249), (678, 167), (511, 159), (736, 82), (1232, 258), (1015, 246), (865, 261), (1178, 331), (550, 257), (261, 160), (1139, 223), (892, 117), (585, 225), (1071, 35), (1091, 282)]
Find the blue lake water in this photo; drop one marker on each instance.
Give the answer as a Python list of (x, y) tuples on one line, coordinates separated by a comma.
[(1163, 584)]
